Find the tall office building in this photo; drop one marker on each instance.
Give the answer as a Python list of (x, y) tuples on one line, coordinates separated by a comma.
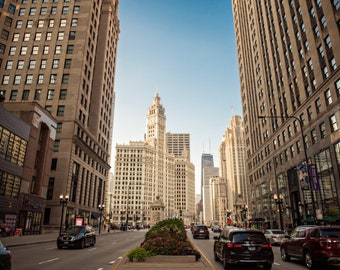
[(148, 171), (289, 55), (233, 168), (62, 55), (178, 144)]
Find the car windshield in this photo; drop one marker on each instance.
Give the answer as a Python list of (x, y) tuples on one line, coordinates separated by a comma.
[(202, 227), (330, 233), (278, 232), (241, 237), (74, 230)]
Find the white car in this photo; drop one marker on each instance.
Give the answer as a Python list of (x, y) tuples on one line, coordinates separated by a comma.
[(275, 236)]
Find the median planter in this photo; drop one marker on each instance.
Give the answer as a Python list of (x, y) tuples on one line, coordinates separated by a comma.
[(171, 259)]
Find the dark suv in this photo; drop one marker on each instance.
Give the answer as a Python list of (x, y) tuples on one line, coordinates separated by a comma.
[(200, 231), (314, 244), (243, 246)]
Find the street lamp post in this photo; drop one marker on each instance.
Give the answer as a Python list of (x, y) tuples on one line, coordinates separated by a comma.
[(304, 150), (278, 198), (63, 201), (101, 208)]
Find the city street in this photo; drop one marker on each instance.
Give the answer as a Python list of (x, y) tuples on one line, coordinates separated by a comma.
[(206, 247), (109, 249)]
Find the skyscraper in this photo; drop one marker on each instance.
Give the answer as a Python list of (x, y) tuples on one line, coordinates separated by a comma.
[(62, 55), (289, 55)]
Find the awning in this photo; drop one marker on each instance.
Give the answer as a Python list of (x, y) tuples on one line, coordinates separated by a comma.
[(308, 220), (94, 216)]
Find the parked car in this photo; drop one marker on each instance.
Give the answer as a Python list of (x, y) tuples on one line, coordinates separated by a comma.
[(275, 236), (200, 231), (5, 258), (246, 247), (77, 236), (216, 229), (316, 245)]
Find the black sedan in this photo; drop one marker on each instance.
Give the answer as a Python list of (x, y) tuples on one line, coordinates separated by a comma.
[(77, 236)]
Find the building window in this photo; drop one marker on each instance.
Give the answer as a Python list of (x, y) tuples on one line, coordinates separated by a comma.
[(17, 79), (53, 10), (60, 35), (40, 23), (14, 94), (323, 22), (59, 127), (328, 42), (29, 79), (65, 78), (48, 36), (336, 4), (55, 63), (35, 50), (322, 130), (333, 123), (316, 31), (8, 21), (38, 36), (43, 11), (337, 87), (22, 11), (310, 113), (74, 22), (50, 94), (53, 78), (9, 65), (314, 137), (325, 72), (333, 63), (61, 110), (58, 49), (69, 49), (51, 23), (72, 35), (20, 64), (56, 146), (63, 23), (48, 108), (40, 78), (298, 147), (12, 50), (46, 49), (23, 50), (67, 63), (25, 94), (15, 37), (5, 79), (63, 94), (37, 94), (4, 34), (64, 10), (33, 11), (318, 105), (43, 64), (31, 64), (328, 97), (2, 48), (76, 9)]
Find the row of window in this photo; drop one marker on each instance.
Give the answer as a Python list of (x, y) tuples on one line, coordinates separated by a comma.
[(48, 11), (37, 94), (20, 65), (29, 80)]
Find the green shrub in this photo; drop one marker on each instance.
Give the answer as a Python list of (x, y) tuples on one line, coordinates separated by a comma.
[(139, 254)]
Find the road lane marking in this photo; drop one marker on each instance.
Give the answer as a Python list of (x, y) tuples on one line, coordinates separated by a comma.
[(91, 249), (54, 259), (276, 263), (112, 262)]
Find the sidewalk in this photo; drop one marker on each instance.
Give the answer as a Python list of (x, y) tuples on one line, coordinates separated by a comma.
[(159, 263)]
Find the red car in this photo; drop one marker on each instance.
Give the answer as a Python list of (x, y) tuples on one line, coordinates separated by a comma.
[(316, 245)]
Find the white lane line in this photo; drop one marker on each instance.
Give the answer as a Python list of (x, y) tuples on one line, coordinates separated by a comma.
[(90, 249), (276, 263), (100, 268), (112, 262), (48, 261)]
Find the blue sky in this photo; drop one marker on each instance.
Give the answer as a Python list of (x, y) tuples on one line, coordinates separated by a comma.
[(184, 50)]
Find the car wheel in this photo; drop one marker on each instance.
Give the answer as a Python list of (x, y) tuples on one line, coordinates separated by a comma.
[(93, 241), (284, 255), (217, 259), (225, 263), (309, 260), (59, 246), (267, 266), (82, 243)]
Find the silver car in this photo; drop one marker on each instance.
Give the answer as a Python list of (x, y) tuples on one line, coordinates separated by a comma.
[(275, 236)]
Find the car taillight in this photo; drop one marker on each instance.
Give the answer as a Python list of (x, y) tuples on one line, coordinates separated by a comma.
[(266, 245), (231, 245)]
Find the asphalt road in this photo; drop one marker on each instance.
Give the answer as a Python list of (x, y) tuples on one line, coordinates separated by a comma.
[(108, 250), (206, 247)]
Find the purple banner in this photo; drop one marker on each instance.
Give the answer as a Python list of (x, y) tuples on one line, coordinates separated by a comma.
[(314, 177)]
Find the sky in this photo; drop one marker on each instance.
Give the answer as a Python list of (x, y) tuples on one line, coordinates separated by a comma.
[(185, 51)]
